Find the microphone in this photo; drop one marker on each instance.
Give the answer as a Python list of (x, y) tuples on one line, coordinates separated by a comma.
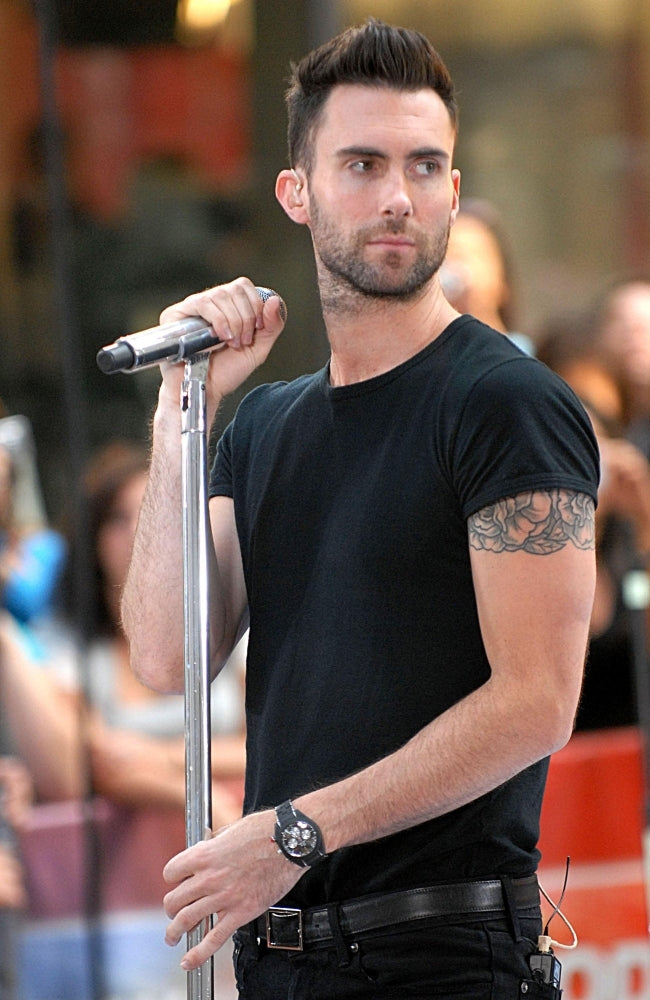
[(175, 341)]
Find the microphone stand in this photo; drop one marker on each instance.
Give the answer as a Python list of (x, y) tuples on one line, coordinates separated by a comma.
[(198, 782)]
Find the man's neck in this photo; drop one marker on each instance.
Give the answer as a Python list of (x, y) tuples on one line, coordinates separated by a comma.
[(380, 334)]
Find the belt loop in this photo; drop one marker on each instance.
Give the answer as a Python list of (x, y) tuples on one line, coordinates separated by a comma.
[(342, 950), (254, 940), (511, 907)]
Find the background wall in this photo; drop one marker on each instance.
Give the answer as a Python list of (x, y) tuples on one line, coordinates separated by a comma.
[(170, 149)]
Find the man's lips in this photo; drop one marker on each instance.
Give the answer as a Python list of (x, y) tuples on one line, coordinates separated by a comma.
[(391, 241)]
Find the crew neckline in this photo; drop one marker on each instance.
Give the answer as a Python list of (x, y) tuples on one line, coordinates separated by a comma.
[(384, 378)]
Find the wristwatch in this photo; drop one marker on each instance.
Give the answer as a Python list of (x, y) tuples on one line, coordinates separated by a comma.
[(298, 837)]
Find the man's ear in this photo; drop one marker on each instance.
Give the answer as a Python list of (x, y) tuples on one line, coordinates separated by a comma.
[(455, 205), (290, 192)]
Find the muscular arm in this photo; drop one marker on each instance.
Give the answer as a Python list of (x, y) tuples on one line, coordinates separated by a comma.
[(152, 602), (534, 569)]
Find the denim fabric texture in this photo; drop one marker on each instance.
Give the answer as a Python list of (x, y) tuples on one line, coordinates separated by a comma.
[(472, 960)]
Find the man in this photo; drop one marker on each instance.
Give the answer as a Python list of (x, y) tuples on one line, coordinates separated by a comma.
[(410, 534)]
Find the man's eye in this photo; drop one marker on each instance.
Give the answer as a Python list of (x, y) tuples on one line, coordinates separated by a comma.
[(362, 166), (426, 167)]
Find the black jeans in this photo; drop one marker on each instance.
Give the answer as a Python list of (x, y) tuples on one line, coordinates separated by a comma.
[(472, 960)]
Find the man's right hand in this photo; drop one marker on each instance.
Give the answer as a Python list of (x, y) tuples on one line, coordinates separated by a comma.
[(247, 327), (152, 598)]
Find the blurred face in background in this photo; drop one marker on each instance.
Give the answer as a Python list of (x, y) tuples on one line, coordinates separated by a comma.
[(115, 536), (625, 334), (473, 275)]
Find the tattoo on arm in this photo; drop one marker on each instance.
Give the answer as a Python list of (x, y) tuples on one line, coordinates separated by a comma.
[(540, 522)]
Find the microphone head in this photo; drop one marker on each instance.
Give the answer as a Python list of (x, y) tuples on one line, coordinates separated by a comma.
[(118, 357)]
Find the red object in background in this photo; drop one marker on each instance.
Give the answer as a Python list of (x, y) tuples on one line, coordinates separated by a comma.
[(593, 813), (593, 808), (122, 106)]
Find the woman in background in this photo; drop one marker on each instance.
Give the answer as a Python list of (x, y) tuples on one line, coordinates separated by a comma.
[(138, 752), (132, 746), (32, 555), (477, 273)]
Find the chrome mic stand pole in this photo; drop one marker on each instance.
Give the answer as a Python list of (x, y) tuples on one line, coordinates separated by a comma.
[(198, 782)]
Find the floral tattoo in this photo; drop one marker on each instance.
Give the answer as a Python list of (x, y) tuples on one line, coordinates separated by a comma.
[(540, 522)]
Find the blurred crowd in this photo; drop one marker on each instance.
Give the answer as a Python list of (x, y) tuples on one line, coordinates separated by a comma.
[(74, 720)]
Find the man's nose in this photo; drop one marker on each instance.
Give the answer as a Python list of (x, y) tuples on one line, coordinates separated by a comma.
[(396, 195)]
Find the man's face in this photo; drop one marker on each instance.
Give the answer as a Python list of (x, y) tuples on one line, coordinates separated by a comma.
[(382, 193)]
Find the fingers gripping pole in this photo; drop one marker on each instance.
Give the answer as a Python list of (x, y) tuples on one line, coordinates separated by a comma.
[(198, 784)]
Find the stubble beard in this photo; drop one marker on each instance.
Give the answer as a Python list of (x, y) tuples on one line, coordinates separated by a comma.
[(347, 280)]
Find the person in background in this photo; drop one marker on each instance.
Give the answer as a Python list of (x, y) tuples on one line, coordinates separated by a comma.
[(608, 696), (138, 751), (410, 533), (85, 695), (75, 713), (29, 692), (32, 556), (622, 336), (15, 799), (477, 273)]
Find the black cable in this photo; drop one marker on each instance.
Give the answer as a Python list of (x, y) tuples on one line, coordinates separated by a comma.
[(558, 905)]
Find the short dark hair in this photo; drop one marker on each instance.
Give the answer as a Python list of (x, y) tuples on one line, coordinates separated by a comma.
[(373, 54)]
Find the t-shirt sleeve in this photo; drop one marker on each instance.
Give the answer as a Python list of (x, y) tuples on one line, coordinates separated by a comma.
[(522, 428), (221, 474)]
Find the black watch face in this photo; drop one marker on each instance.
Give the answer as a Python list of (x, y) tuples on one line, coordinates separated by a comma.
[(299, 839)]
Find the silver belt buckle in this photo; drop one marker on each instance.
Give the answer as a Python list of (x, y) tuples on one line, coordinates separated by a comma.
[(284, 928)]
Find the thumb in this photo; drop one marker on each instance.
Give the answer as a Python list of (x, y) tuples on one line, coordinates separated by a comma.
[(274, 314)]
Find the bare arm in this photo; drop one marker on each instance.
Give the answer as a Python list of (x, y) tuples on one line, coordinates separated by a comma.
[(12, 886), (137, 770), (152, 603), (534, 571), (534, 568), (131, 769), (43, 720)]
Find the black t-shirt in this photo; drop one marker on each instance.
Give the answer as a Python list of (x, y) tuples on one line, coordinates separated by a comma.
[(351, 506)]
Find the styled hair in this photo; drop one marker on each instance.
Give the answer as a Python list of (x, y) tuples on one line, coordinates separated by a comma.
[(374, 54)]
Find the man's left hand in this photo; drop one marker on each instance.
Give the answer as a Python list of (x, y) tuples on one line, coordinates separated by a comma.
[(234, 876)]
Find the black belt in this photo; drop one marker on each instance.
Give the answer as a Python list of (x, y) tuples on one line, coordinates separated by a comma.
[(294, 929)]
